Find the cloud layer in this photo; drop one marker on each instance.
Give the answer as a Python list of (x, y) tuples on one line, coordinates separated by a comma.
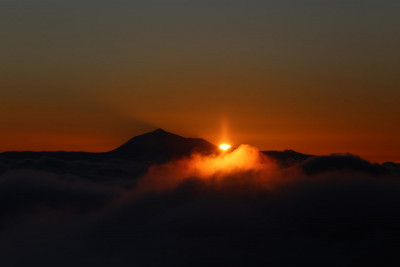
[(237, 209)]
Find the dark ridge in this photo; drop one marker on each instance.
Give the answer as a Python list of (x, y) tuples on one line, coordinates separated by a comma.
[(160, 144), (287, 157), (156, 145), (63, 155), (390, 164), (342, 162)]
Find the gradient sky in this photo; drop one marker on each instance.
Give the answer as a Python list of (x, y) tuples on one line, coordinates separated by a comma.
[(315, 76)]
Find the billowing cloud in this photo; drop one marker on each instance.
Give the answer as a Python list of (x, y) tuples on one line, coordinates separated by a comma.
[(215, 168)]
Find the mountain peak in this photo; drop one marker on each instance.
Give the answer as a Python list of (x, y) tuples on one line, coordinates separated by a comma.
[(161, 144), (159, 130)]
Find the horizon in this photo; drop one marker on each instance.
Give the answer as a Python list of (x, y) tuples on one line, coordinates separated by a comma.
[(188, 137)]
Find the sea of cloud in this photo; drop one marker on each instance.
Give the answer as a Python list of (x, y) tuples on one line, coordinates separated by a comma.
[(233, 209)]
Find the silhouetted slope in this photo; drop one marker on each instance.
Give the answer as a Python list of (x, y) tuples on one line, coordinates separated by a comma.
[(161, 144), (287, 157)]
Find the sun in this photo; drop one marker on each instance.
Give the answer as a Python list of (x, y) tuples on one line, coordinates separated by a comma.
[(225, 147)]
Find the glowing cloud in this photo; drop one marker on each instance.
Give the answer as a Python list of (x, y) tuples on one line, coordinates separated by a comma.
[(213, 168)]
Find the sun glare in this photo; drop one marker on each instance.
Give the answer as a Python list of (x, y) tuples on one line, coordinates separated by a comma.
[(224, 147)]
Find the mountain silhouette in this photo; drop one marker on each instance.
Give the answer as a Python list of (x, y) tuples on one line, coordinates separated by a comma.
[(160, 144), (156, 146)]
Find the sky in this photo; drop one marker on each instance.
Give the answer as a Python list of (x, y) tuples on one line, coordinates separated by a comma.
[(318, 77)]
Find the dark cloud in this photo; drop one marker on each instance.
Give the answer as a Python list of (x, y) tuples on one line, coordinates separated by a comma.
[(329, 211), (31, 192)]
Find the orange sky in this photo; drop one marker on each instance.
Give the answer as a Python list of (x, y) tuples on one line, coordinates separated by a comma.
[(280, 75)]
